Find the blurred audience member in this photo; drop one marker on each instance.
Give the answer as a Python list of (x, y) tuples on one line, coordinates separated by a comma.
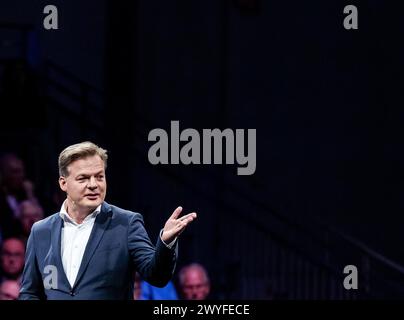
[(194, 282), (30, 212), (137, 289), (14, 188), (143, 290), (12, 259), (14, 185), (149, 292), (9, 290)]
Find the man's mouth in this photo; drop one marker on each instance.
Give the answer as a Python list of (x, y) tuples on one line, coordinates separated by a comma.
[(92, 196)]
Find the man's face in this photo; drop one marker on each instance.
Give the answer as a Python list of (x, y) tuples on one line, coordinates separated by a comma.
[(12, 257), (195, 287), (30, 214), (9, 290), (14, 173), (85, 185)]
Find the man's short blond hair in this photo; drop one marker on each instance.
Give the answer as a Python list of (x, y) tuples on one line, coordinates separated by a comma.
[(79, 151)]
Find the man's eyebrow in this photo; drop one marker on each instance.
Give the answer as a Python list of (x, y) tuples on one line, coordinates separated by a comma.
[(88, 175), (82, 175)]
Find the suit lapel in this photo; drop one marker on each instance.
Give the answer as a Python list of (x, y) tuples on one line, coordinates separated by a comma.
[(100, 225), (56, 245)]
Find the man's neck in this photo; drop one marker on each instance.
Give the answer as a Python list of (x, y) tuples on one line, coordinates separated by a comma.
[(75, 213)]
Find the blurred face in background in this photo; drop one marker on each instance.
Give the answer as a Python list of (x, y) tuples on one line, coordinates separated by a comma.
[(9, 290), (195, 284), (13, 172), (30, 213), (12, 257)]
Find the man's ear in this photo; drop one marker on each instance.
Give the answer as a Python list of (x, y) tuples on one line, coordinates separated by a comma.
[(62, 183)]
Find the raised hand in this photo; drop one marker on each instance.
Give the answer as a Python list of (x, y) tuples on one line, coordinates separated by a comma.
[(174, 225)]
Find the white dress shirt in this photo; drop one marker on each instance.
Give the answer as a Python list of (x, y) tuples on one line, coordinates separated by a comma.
[(74, 240)]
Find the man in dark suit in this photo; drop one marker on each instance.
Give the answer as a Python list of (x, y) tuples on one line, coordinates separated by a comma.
[(90, 248)]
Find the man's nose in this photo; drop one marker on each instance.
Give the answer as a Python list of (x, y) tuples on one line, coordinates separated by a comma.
[(92, 183)]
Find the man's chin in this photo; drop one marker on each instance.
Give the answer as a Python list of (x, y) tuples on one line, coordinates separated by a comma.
[(92, 204)]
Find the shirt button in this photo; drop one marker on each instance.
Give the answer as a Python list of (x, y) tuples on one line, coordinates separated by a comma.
[(72, 293)]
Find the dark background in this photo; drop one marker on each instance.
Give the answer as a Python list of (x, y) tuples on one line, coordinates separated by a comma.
[(326, 103)]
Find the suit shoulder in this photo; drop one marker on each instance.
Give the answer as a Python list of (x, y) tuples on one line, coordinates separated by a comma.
[(120, 213), (46, 222)]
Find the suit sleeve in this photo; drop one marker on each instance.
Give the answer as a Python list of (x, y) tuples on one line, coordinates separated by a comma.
[(155, 264), (31, 285)]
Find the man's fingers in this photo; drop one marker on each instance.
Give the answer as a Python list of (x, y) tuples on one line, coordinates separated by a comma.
[(176, 213), (181, 227), (190, 216), (185, 220)]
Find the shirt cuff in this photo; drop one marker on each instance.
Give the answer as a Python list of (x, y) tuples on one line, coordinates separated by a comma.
[(171, 244)]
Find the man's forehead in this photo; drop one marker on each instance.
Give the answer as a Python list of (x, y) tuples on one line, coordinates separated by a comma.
[(30, 211), (89, 170), (194, 276), (13, 245)]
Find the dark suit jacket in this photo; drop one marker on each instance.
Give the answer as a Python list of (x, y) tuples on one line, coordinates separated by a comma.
[(118, 245)]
